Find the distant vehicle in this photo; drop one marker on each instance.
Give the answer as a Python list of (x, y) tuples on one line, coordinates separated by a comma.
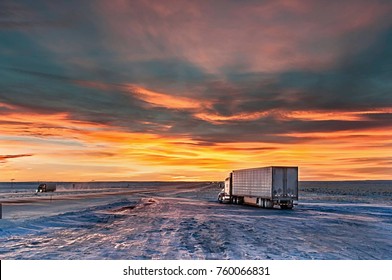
[(46, 187), (264, 187)]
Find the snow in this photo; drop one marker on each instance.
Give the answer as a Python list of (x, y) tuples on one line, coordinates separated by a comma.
[(184, 221)]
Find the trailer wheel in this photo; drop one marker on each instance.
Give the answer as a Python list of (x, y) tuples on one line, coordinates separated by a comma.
[(269, 204), (286, 206)]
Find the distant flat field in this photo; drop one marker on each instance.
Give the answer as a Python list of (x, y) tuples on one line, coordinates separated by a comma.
[(351, 191), (333, 220)]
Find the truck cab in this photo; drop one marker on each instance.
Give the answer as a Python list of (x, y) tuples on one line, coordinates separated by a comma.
[(46, 187), (223, 197), (225, 194)]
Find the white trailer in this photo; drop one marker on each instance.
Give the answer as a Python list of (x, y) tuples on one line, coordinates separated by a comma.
[(264, 187)]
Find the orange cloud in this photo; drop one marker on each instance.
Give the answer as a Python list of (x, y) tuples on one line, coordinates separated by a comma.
[(165, 100), (215, 118), (83, 151), (292, 115), (93, 151)]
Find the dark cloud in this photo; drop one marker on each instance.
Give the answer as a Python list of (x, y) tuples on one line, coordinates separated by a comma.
[(4, 158), (384, 117), (37, 74), (360, 81), (268, 130), (61, 94), (24, 16), (164, 71)]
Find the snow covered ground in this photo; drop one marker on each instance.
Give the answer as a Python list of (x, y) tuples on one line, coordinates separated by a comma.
[(184, 221)]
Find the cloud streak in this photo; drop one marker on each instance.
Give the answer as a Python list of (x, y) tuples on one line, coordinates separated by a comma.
[(4, 158)]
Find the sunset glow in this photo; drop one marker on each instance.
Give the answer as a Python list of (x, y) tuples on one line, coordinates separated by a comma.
[(190, 90)]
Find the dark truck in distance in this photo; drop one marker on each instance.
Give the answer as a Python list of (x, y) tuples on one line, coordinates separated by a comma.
[(264, 187), (46, 187)]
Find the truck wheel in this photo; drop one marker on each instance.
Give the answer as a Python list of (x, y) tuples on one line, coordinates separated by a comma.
[(286, 206)]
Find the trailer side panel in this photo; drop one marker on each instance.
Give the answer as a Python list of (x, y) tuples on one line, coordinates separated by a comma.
[(255, 182)]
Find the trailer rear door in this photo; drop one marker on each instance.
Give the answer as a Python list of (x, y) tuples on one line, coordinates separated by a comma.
[(292, 182), (279, 177), (285, 182)]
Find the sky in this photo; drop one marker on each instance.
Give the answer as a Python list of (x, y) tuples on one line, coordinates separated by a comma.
[(190, 90)]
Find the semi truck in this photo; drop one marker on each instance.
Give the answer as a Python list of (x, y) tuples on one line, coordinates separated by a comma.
[(264, 187), (46, 187)]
